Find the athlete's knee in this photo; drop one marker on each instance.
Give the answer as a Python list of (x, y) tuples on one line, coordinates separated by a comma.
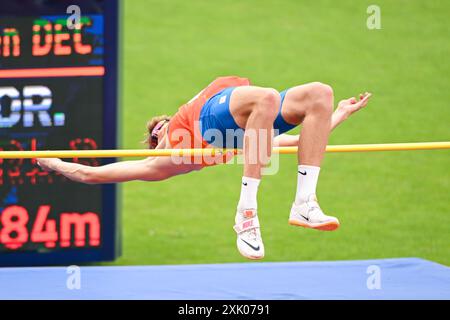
[(321, 92), (268, 102), (270, 96), (321, 97)]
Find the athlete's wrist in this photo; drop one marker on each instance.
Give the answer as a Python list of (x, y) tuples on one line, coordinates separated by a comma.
[(341, 115)]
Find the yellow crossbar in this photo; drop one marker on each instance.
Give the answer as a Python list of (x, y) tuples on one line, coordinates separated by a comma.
[(198, 152)]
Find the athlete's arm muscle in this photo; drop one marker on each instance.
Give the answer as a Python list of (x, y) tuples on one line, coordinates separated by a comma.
[(286, 140), (150, 169)]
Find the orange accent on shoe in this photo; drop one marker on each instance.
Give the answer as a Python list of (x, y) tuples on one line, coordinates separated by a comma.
[(326, 226)]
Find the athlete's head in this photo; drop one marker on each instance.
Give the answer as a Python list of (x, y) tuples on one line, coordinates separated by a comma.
[(154, 125)]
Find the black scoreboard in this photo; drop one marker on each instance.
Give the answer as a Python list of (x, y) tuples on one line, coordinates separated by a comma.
[(58, 91)]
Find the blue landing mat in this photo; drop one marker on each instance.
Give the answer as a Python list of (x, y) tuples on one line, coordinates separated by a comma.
[(405, 278)]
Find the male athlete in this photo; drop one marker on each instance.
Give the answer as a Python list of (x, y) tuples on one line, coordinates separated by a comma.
[(231, 103)]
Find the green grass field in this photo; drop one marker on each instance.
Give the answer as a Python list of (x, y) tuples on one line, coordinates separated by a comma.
[(390, 204)]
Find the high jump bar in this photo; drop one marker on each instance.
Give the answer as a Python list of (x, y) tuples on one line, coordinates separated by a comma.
[(211, 152)]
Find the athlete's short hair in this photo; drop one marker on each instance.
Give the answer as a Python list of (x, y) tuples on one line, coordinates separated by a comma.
[(151, 124)]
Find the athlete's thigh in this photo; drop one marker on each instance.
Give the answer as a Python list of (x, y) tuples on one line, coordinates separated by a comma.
[(242, 101)]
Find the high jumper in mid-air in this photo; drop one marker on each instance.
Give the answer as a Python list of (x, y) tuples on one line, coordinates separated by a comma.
[(231, 104)]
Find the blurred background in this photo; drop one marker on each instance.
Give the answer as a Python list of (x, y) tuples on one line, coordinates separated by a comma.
[(391, 204)]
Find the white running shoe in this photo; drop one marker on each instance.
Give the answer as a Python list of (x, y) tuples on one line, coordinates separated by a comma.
[(309, 215), (249, 241)]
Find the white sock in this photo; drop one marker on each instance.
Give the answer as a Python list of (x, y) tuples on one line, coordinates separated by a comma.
[(306, 182), (249, 190)]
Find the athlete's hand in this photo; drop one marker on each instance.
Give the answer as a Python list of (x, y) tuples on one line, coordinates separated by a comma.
[(349, 106), (48, 164)]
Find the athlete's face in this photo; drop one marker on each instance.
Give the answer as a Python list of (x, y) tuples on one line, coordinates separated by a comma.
[(159, 134), (163, 132)]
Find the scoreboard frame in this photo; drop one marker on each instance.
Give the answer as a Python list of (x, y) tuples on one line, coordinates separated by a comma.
[(111, 219)]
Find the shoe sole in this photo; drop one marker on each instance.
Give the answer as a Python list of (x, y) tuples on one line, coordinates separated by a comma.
[(327, 226), (250, 257)]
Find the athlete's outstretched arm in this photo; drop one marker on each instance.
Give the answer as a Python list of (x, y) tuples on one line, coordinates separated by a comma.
[(344, 110), (150, 169)]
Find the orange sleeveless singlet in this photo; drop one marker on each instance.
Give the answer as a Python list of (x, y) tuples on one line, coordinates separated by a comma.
[(184, 131)]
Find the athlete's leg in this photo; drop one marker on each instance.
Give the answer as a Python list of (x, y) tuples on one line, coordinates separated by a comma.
[(312, 105), (254, 109)]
